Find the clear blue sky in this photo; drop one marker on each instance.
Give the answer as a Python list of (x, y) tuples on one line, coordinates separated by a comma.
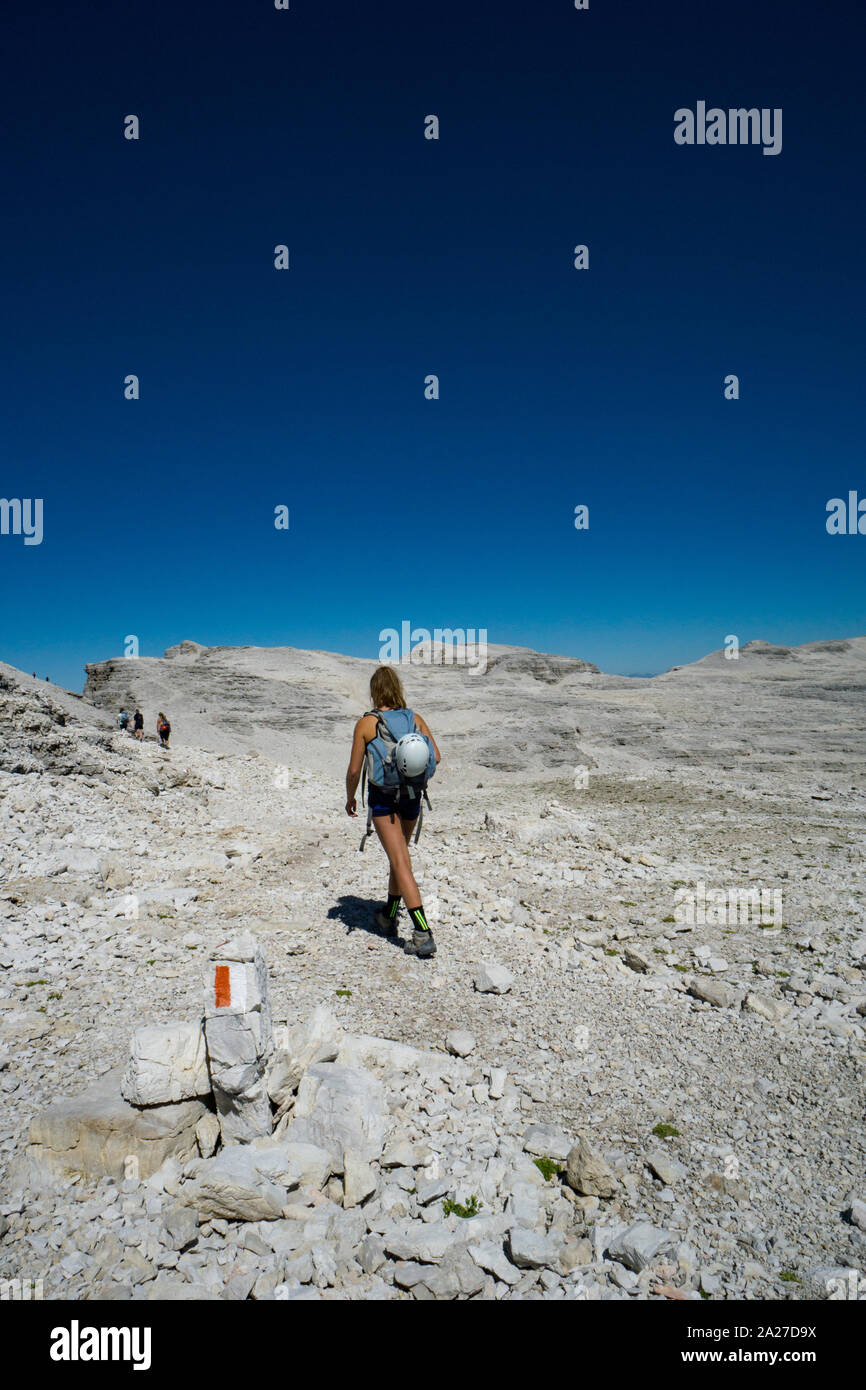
[(409, 257)]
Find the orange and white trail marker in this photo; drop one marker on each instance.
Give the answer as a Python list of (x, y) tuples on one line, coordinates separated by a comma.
[(222, 987), (230, 987)]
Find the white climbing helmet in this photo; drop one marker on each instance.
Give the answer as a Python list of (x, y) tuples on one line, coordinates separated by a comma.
[(411, 755)]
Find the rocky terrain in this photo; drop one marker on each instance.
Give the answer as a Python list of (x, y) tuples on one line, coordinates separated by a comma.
[(606, 1000)]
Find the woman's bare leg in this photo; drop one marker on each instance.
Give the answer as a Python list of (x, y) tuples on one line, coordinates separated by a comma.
[(394, 835)]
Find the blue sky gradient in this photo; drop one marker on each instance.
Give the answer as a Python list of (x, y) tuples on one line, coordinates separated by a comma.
[(409, 257)]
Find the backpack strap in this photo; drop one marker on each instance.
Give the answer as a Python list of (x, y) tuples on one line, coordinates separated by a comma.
[(368, 832), (426, 798)]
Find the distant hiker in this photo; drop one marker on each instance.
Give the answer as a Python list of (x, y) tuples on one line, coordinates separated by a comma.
[(398, 755), (138, 725), (163, 729), (123, 719)]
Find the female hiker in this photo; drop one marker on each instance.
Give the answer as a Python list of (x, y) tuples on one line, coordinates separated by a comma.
[(163, 729), (394, 809)]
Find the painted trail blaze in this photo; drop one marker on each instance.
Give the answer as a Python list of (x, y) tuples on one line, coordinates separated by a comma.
[(222, 986)]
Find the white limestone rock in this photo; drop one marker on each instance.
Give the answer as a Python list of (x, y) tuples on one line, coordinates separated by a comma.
[(318, 1039), (493, 979), (339, 1108), (99, 1134), (168, 1063)]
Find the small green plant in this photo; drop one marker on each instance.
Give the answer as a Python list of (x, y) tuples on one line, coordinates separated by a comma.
[(163, 915), (464, 1209), (669, 919), (789, 1276), (344, 994), (683, 969), (609, 952), (548, 1168), (31, 983), (55, 996), (663, 1131)]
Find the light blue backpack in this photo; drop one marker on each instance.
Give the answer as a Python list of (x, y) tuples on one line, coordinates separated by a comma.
[(380, 766)]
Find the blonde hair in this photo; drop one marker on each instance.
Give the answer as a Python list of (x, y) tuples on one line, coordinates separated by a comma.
[(386, 689)]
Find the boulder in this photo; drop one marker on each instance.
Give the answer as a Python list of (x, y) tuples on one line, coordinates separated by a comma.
[(460, 1042), (490, 1257), (639, 1244), (773, 1010), (713, 992), (546, 1141), (637, 961), (531, 1249), (98, 1132), (207, 1133), (587, 1173), (402, 1154), (359, 1180), (168, 1064), (316, 1040), (339, 1108), (665, 1168), (425, 1242), (236, 1185), (312, 1163), (493, 979)]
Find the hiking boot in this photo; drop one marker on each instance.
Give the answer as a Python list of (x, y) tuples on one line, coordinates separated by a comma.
[(422, 944), (386, 924)]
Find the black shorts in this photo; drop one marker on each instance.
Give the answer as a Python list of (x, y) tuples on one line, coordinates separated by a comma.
[(405, 806)]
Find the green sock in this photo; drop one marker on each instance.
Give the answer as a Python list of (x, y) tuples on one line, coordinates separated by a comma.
[(393, 904), (417, 915)]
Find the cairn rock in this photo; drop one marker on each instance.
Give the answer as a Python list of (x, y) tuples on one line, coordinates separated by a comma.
[(339, 1108), (236, 1185), (587, 1173), (98, 1133), (316, 1040), (312, 1163), (168, 1063), (239, 1038)]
